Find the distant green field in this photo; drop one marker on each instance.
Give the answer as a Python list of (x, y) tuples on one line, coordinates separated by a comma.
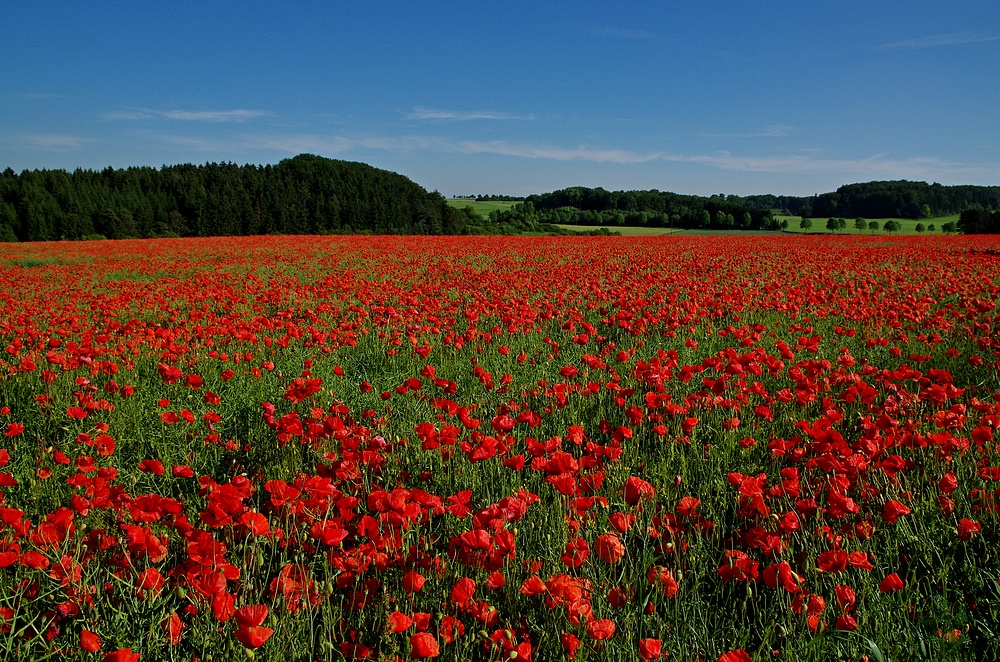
[(626, 231), (908, 225), (482, 208)]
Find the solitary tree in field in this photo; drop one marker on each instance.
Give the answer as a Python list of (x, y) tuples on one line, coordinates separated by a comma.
[(873, 226), (931, 228), (891, 226), (831, 224), (948, 227), (805, 223), (841, 223), (919, 227), (860, 224)]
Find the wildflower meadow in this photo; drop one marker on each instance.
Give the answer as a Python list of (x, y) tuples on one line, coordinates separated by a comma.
[(500, 448)]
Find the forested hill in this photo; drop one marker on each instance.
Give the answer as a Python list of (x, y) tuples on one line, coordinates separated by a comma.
[(580, 205), (896, 199), (303, 195)]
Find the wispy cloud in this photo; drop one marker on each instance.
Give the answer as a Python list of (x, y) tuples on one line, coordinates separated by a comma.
[(421, 113), (877, 166), (581, 153), (237, 115), (53, 142), (609, 32), (337, 144), (933, 41), (772, 131)]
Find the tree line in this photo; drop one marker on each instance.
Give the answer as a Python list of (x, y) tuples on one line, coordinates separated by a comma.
[(309, 194), (884, 199), (580, 205), (306, 194), (979, 221)]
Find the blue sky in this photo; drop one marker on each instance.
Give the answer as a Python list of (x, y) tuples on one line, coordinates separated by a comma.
[(515, 97)]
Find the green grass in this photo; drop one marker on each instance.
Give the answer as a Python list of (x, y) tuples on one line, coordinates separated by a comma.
[(908, 225), (626, 231), (482, 208)]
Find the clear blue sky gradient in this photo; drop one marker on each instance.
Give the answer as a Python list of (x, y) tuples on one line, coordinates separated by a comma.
[(516, 97)]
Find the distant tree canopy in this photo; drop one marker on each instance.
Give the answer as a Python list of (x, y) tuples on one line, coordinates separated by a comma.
[(309, 194), (303, 195), (979, 221), (597, 207), (896, 199)]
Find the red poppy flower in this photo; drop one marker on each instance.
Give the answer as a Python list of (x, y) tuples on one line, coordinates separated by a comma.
[(78, 413), (738, 655), (152, 466), (451, 629), (601, 629), (423, 645), (663, 579), (846, 622), (650, 649), (609, 548), (413, 582), (34, 560), (89, 641), (463, 591), (860, 561), (251, 615), (833, 560), (845, 597), (636, 489), (532, 586), (621, 521), (577, 551), (174, 626), (399, 622), (496, 580), (121, 655), (893, 510), (781, 574), (255, 523), (688, 506), (253, 637), (570, 644), (968, 528), (150, 580), (891, 584)]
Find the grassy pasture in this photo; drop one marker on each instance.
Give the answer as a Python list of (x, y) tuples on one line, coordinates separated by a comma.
[(482, 208), (908, 225), (625, 230)]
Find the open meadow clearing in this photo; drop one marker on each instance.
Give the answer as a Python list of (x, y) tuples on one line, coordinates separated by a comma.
[(931, 226), (501, 448), (481, 207)]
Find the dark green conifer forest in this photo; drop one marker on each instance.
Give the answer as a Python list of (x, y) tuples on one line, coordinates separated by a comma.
[(303, 195)]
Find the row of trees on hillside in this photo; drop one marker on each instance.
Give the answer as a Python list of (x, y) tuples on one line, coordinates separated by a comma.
[(309, 194), (861, 224), (303, 195), (598, 207), (885, 199)]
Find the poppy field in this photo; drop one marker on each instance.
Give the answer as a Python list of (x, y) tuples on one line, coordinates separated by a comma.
[(500, 448)]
